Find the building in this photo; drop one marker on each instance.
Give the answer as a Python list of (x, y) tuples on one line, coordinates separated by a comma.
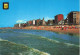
[(20, 25), (66, 21), (29, 23), (53, 21), (61, 22), (47, 23), (50, 22), (25, 24), (43, 22), (58, 18), (34, 23), (73, 18), (37, 22), (16, 25)]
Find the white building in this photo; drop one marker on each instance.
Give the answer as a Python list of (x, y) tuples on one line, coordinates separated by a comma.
[(33, 22)]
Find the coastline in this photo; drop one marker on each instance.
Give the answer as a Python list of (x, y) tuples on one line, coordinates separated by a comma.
[(58, 30), (74, 31)]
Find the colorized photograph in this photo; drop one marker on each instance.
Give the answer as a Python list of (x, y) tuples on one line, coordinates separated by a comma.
[(39, 27)]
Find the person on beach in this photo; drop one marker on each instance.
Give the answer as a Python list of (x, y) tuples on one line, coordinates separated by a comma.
[(62, 27)]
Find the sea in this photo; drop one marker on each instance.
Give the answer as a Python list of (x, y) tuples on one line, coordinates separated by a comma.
[(37, 42)]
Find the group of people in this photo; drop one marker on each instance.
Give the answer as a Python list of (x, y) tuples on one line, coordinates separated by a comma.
[(67, 27)]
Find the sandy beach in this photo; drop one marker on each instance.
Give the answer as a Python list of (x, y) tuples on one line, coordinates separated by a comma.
[(65, 30)]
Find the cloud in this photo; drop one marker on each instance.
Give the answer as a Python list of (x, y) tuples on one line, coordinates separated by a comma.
[(48, 18), (20, 21)]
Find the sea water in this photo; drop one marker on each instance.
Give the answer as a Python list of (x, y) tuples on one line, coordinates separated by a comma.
[(22, 41)]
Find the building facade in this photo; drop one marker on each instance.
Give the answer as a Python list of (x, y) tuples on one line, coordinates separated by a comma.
[(58, 18), (29, 23), (37, 22), (20, 25), (16, 25), (66, 21), (34, 22), (73, 18), (50, 22), (43, 22), (61, 22)]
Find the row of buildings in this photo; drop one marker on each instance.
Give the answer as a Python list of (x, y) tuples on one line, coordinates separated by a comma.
[(72, 19)]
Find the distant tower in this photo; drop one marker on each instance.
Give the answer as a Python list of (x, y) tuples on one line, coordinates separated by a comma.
[(43, 22)]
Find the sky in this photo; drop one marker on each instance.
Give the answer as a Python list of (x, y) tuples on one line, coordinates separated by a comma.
[(25, 10)]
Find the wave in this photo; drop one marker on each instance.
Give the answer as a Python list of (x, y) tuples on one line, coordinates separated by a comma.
[(3, 40), (10, 48), (54, 41), (6, 31), (47, 45)]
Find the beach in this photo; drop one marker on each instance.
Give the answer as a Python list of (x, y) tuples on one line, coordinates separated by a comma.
[(65, 30)]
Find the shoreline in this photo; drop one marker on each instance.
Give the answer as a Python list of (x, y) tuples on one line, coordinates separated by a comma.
[(51, 28), (74, 31)]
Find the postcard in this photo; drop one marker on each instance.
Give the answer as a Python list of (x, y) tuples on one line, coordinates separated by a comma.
[(39, 27)]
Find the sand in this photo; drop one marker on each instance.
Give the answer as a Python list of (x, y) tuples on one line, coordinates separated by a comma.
[(51, 28)]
